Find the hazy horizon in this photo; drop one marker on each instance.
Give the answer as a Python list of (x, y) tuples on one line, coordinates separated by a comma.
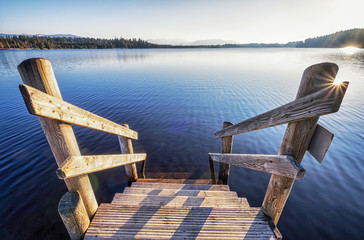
[(175, 41)]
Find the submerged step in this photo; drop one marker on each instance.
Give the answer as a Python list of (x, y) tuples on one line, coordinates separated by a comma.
[(183, 181)]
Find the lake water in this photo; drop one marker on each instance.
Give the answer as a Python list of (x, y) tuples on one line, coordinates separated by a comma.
[(176, 99)]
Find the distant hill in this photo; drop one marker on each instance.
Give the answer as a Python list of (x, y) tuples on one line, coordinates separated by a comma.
[(168, 41), (352, 37), (212, 42), (183, 42), (261, 45)]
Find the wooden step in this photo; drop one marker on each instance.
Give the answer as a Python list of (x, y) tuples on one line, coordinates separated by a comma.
[(177, 201), (228, 211), (162, 211), (178, 175), (180, 186), (184, 181), (178, 192), (146, 222)]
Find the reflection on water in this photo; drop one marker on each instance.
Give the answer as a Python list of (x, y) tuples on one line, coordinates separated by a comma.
[(176, 99)]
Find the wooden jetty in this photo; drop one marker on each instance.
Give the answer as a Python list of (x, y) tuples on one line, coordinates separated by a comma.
[(180, 208)]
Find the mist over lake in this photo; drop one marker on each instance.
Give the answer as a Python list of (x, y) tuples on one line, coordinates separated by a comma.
[(176, 99)]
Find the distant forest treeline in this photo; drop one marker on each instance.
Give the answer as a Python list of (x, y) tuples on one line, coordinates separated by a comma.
[(36, 42), (353, 37)]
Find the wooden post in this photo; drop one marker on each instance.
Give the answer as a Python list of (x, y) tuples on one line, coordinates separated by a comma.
[(142, 171), (226, 147), (212, 170), (126, 147), (73, 214), (297, 138), (38, 73)]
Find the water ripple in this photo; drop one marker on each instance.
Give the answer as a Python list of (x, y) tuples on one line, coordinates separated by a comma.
[(176, 99)]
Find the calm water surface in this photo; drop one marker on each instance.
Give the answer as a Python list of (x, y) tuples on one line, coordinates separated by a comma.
[(176, 100)]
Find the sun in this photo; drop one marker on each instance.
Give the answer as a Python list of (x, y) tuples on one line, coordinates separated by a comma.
[(337, 82), (350, 50)]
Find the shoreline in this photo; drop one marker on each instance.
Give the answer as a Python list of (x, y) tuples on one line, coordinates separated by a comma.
[(171, 47)]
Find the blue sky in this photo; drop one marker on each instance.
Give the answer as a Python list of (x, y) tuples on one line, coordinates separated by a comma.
[(243, 21)]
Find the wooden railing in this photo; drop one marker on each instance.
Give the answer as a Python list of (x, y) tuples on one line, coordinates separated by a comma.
[(43, 98), (317, 95)]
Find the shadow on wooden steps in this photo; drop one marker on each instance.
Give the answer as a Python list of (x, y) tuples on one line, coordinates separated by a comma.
[(174, 209)]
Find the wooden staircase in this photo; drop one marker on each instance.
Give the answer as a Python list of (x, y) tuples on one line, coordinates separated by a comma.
[(179, 209), (188, 209)]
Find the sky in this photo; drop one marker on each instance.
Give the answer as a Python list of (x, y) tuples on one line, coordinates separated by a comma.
[(243, 21)]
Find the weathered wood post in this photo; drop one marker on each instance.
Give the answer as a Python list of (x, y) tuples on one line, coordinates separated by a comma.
[(212, 170), (38, 73), (126, 147), (74, 214), (298, 136), (226, 147)]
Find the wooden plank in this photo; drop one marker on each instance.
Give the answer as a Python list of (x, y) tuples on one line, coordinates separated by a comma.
[(178, 192), (190, 223), (140, 211), (318, 103), (320, 143), (228, 212), (161, 212), (74, 214), (298, 135), (79, 165), (152, 233), (168, 194), (126, 147), (176, 201), (45, 105), (178, 235), (38, 73), (232, 225), (277, 164), (226, 147), (181, 186), (185, 181)]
